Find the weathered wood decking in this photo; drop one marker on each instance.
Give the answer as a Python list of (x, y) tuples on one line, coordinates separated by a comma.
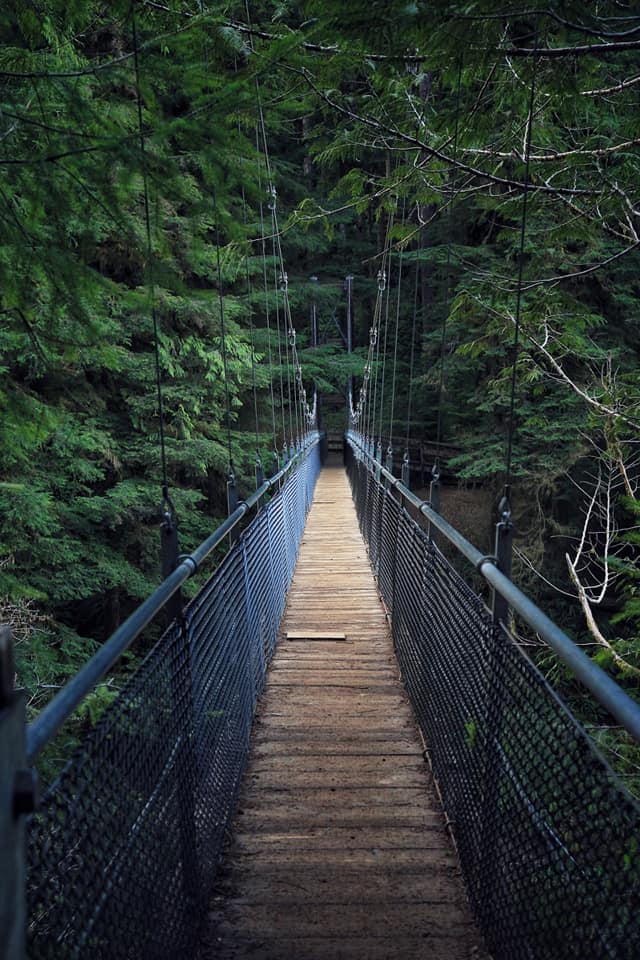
[(339, 847)]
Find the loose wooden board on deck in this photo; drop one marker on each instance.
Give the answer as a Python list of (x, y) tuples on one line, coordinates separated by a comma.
[(339, 847)]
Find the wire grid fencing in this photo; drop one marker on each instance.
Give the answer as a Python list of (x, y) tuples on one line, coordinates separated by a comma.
[(124, 850), (549, 841)]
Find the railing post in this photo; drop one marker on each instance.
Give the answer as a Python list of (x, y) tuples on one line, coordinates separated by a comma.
[(434, 496), (18, 796), (259, 476), (232, 501), (169, 552), (405, 473), (378, 456), (388, 464), (504, 556)]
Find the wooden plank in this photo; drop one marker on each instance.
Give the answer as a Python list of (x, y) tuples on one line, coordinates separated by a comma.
[(339, 847)]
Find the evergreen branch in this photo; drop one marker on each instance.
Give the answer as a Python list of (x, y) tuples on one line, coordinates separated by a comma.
[(592, 626), (555, 53), (561, 155), (321, 48), (616, 88), (434, 152), (54, 157), (51, 129), (33, 337), (578, 27), (107, 65), (582, 273), (602, 408)]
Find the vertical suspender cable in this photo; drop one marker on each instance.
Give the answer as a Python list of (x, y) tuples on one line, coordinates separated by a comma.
[(251, 332), (298, 406), (268, 321), (150, 272), (373, 405), (384, 355), (412, 356), (505, 507), (278, 332), (443, 335), (223, 332), (395, 341)]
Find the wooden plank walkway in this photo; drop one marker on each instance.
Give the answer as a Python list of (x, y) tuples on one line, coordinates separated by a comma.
[(339, 848)]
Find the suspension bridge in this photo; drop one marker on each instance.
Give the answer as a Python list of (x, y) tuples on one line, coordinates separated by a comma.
[(440, 802), (336, 748)]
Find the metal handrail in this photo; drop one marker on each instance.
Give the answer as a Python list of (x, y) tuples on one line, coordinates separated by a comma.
[(41, 730), (606, 691)]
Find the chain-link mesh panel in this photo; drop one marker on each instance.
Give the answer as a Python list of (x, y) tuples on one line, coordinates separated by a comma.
[(124, 849), (549, 841)]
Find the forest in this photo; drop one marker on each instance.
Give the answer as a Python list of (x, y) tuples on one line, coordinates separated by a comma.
[(183, 181)]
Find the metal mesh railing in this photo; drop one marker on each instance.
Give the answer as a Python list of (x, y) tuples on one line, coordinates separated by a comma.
[(124, 850), (548, 840)]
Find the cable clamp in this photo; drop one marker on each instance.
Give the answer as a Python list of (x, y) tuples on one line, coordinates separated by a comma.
[(488, 558), (382, 280), (188, 558)]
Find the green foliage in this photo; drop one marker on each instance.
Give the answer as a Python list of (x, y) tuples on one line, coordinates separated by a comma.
[(361, 107)]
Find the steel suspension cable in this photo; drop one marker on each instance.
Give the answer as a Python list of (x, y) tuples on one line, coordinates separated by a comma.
[(222, 330), (505, 506), (360, 415), (278, 336), (443, 334), (263, 245), (150, 271), (395, 342), (373, 405), (383, 286), (413, 352), (276, 238), (251, 331), (384, 354), (284, 283)]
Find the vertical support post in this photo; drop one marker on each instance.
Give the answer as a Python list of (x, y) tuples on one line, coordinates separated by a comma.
[(169, 558), (232, 501), (504, 556), (18, 796), (259, 475), (348, 287), (275, 463), (314, 315), (378, 456), (405, 473), (434, 495), (388, 464)]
